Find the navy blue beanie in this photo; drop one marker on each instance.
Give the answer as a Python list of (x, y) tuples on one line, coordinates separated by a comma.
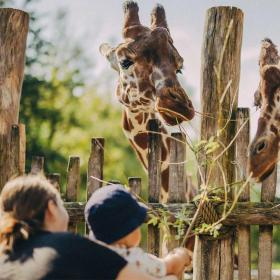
[(112, 213)]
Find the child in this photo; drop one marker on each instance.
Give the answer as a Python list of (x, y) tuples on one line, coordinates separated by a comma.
[(114, 217)]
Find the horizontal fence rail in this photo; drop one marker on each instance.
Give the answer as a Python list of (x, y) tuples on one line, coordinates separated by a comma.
[(244, 213)]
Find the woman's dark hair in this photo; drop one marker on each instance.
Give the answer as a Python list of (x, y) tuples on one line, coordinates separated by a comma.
[(23, 203)]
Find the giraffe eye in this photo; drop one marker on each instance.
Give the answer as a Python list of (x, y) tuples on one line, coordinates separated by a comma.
[(260, 146), (179, 71), (126, 63)]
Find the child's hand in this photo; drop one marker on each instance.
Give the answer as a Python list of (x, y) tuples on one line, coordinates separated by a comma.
[(177, 260)]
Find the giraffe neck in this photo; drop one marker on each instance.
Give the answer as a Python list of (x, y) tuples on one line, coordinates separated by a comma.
[(271, 114), (135, 125)]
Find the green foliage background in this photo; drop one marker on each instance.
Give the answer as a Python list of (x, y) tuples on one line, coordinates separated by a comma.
[(61, 111)]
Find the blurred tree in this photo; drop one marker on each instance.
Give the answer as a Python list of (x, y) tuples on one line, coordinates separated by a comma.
[(60, 111)]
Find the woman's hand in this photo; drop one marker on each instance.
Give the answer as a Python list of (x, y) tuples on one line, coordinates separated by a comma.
[(132, 272)]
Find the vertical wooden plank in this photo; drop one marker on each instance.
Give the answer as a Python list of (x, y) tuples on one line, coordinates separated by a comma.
[(22, 148), (73, 178), (177, 181), (154, 174), (265, 237), (13, 34), (134, 184), (37, 165), (177, 172), (73, 184), (243, 232), (14, 151), (220, 73), (54, 179), (95, 165)]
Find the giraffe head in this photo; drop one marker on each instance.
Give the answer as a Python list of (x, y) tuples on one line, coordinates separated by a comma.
[(263, 151), (148, 65)]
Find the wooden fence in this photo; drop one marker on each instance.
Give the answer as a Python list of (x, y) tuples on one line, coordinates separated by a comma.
[(265, 213), (219, 94)]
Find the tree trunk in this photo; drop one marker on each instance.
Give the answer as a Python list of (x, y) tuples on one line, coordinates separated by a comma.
[(213, 260), (13, 34)]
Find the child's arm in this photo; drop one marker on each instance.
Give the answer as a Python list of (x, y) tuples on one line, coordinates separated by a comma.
[(147, 263), (177, 260)]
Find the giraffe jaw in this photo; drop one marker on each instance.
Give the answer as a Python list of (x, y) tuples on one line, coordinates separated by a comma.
[(266, 174), (171, 117), (262, 163)]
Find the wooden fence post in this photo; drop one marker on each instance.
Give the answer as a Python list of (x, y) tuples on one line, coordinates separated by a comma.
[(243, 231), (265, 237), (73, 184), (177, 180), (95, 165), (15, 151), (134, 184), (37, 165), (177, 172), (54, 179), (154, 173), (13, 33), (220, 74), (22, 148)]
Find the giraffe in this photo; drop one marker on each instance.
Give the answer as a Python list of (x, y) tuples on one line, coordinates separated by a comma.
[(263, 151), (148, 64)]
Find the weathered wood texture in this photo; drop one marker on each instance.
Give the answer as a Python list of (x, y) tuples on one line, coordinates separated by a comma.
[(15, 151), (13, 33), (22, 148), (154, 182), (177, 180), (73, 184), (245, 213), (265, 237), (95, 165), (37, 165), (243, 232), (54, 179), (177, 169), (134, 184), (220, 73), (73, 178)]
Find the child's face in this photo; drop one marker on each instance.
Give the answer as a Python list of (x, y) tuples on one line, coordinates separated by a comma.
[(132, 239), (135, 237)]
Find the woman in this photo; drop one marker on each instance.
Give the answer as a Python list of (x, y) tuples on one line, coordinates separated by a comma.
[(34, 243)]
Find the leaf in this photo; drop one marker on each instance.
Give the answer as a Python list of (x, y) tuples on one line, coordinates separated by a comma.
[(153, 220)]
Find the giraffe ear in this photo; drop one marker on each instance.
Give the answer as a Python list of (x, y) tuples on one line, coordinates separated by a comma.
[(110, 54), (257, 98)]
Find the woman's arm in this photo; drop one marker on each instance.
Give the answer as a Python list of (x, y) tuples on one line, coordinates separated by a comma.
[(132, 272)]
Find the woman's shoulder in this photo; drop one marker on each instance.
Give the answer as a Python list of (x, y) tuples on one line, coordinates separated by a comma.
[(63, 239), (73, 243)]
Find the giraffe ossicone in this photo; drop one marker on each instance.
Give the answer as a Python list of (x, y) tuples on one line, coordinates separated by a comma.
[(148, 64), (263, 151)]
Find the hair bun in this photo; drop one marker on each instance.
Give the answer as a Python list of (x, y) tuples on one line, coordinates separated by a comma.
[(12, 230)]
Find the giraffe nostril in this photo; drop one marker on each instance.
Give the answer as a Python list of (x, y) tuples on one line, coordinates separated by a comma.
[(174, 96), (189, 104)]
